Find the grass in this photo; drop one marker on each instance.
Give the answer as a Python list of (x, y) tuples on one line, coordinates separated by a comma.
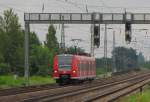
[(101, 72), (138, 97), (8, 81)]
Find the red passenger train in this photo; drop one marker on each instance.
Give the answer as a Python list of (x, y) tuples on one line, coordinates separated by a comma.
[(73, 68)]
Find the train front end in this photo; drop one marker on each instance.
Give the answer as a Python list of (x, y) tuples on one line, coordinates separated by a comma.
[(63, 68)]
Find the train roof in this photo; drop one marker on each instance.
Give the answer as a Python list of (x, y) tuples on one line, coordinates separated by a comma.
[(77, 56), (65, 55)]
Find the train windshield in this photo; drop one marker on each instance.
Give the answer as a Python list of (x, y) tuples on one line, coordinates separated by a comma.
[(65, 62)]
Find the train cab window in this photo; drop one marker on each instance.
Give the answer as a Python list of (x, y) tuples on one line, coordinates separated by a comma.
[(65, 62)]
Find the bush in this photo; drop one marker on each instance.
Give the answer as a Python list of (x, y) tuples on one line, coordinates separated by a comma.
[(4, 68), (43, 71)]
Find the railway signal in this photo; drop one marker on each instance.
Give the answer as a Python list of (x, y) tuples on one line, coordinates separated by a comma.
[(128, 31), (96, 36)]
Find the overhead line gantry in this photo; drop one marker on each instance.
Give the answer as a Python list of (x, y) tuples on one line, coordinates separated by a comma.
[(80, 18)]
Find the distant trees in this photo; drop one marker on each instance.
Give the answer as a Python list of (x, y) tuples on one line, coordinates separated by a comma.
[(142, 62), (11, 41), (41, 55), (52, 45), (145, 65), (76, 51), (12, 47), (51, 40), (101, 65), (141, 59), (39, 60), (126, 58)]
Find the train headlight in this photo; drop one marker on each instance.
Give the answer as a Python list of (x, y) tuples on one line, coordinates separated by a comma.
[(74, 71), (55, 71)]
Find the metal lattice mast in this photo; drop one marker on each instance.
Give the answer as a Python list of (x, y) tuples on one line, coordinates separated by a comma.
[(92, 40), (105, 47), (63, 35), (114, 59), (26, 43)]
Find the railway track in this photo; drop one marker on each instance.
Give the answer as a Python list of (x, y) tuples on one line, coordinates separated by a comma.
[(27, 89), (91, 93), (44, 94), (115, 92), (6, 92)]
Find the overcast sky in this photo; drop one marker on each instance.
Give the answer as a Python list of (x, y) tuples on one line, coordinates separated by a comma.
[(83, 31)]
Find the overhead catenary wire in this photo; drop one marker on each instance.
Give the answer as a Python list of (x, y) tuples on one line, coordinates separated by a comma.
[(72, 3), (104, 5)]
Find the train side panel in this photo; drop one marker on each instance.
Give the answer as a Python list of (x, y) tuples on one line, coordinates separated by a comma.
[(85, 68)]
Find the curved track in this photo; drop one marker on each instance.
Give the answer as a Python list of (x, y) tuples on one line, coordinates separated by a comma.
[(6, 92), (82, 93), (43, 94)]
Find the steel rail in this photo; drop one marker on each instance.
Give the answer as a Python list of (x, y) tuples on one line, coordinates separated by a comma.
[(28, 93), (115, 93), (70, 93)]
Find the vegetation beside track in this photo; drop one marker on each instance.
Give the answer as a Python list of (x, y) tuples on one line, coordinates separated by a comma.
[(138, 97), (9, 81)]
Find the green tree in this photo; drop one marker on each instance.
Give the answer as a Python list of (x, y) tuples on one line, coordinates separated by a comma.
[(126, 58), (34, 40), (101, 65), (52, 44), (3, 40), (12, 39), (76, 50), (34, 53), (141, 59), (39, 60), (51, 40)]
